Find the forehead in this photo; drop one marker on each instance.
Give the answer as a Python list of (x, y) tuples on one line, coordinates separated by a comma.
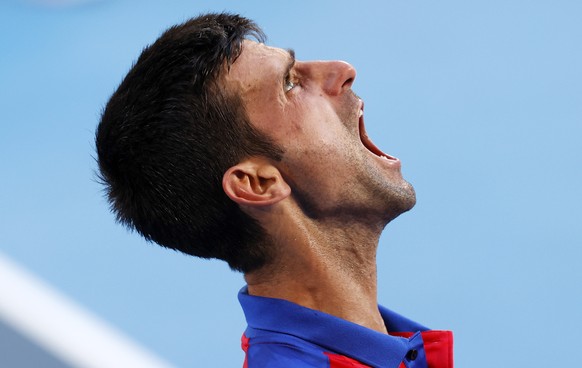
[(256, 50), (257, 62)]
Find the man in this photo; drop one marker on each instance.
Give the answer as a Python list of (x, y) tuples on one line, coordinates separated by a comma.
[(222, 147)]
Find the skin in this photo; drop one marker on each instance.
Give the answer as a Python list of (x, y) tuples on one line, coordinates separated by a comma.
[(327, 201)]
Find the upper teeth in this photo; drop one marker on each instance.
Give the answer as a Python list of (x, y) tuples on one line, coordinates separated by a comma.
[(361, 113)]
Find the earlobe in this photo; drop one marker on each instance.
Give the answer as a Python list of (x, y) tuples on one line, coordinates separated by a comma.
[(255, 183)]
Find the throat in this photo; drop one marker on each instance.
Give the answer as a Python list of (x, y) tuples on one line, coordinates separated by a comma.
[(337, 278)]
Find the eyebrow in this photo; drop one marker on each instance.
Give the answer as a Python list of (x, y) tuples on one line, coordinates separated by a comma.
[(291, 61)]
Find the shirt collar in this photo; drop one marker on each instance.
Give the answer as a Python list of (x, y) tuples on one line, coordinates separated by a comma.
[(333, 333)]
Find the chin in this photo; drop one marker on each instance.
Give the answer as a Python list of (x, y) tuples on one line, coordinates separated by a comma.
[(400, 201), (410, 197)]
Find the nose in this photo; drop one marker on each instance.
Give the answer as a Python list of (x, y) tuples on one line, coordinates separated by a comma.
[(334, 77)]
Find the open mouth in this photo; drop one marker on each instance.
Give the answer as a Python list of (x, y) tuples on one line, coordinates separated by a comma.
[(367, 142)]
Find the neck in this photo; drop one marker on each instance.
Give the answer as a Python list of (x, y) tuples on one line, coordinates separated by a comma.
[(326, 267)]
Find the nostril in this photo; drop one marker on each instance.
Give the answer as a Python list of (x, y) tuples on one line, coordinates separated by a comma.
[(348, 83)]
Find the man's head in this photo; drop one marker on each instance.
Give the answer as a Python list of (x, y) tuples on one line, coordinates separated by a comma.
[(208, 127), (168, 134)]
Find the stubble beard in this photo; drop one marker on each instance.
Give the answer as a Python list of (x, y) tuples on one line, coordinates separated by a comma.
[(390, 196), (394, 200), (370, 195)]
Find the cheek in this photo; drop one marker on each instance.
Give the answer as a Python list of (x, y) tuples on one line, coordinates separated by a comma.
[(296, 116), (311, 117)]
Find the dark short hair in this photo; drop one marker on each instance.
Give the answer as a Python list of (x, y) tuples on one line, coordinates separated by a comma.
[(169, 133)]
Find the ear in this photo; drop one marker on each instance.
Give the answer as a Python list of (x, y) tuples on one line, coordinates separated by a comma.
[(255, 182)]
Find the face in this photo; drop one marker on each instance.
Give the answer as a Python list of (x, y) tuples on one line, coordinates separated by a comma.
[(310, 110)]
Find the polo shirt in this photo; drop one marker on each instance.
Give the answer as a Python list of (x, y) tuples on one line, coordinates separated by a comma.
[(282, 334)]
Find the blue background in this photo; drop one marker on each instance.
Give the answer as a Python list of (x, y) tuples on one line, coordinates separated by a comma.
[(481, 100)]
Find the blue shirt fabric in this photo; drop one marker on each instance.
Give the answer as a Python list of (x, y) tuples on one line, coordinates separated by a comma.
[(282, 334)]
